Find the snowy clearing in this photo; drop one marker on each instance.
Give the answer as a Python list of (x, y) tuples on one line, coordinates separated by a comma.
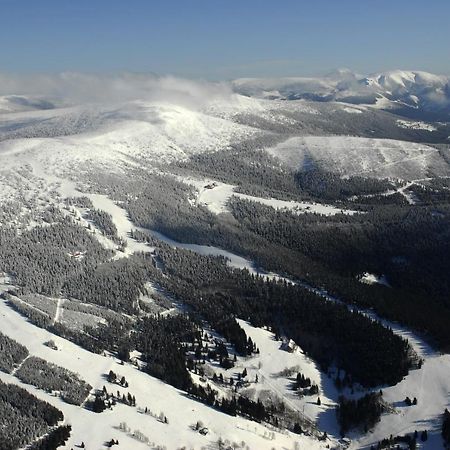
[(411, 125), (215, 196), (371, 278), (349, 110)]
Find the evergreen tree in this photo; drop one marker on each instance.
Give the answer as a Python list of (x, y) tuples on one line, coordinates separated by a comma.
[(446, 426)]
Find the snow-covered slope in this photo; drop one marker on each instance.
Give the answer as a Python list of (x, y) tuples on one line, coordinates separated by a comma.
[(70, 141), (181, 411), (137, 129), (362, 156)]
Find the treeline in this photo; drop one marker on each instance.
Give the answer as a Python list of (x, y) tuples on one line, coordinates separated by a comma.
[(255, 172), (232, 406), (23, 417), (275, 413), (327, 251), (408, 243), (252, 170), (53, 440), (407, 441), (363, 413), (113, 284), (331, 186), (162, 342), (188, 269), (446, 427), (87, 339), (11, 353), (220, 298), (430, 195), (81, 202), (104, 222), (50, 377)]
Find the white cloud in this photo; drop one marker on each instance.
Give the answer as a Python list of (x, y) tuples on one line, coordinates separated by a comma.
[(74, 88)]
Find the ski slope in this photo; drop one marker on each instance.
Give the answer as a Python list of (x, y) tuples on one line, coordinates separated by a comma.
[(181, 411)]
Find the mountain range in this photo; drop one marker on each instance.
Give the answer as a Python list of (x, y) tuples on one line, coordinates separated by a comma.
[(415, 94)]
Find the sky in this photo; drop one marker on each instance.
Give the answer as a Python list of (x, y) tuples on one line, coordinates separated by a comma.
[(219, 40)]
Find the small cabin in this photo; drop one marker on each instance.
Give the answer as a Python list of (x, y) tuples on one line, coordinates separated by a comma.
[(289, 345)]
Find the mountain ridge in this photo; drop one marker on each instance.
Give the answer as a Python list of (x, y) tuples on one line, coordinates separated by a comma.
[(410, 93)]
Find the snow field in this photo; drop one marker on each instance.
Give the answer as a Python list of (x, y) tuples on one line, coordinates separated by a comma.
[(379, 158)]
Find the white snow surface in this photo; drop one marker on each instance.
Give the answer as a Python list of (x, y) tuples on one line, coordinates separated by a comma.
[(273, 360), (352, 110), (108, 135), (379, 158), (371, 278)]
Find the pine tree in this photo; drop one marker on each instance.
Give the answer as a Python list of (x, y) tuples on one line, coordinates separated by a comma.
[(446, 426), (98, 405)]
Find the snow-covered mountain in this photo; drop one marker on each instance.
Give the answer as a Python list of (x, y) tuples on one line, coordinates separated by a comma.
[(412, 93), (52, 148), (119, 134)]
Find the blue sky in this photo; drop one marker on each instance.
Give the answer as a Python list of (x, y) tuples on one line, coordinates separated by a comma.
[(217, 39)]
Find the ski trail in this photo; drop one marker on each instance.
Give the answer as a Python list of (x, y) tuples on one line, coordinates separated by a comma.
[(286, 399), (58, 311), (13, 373)]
